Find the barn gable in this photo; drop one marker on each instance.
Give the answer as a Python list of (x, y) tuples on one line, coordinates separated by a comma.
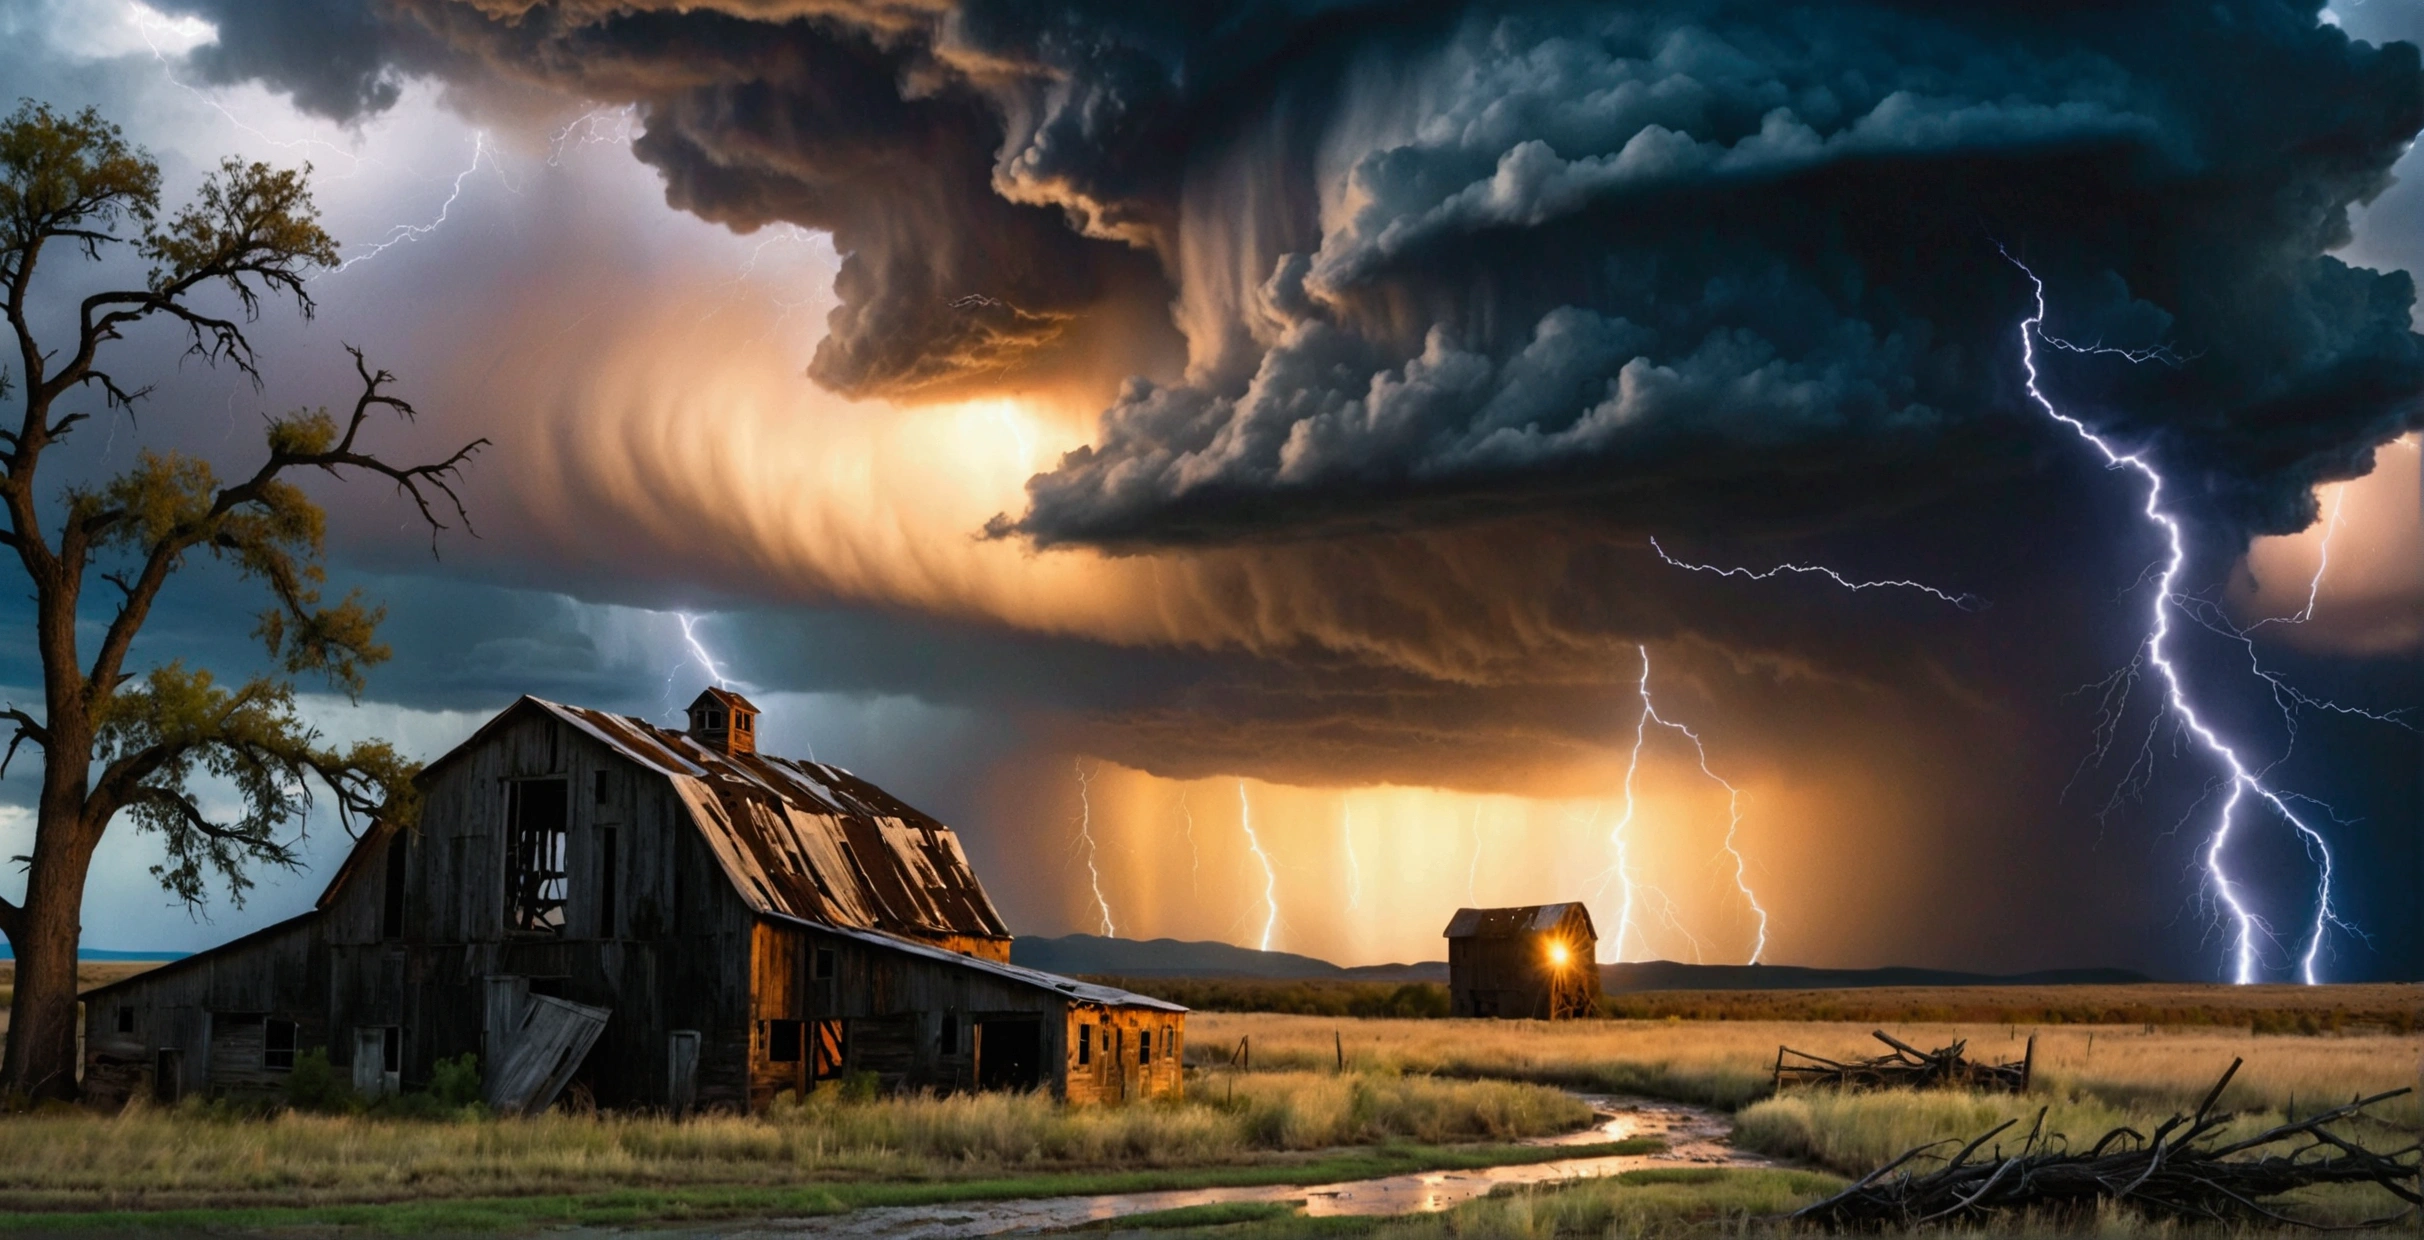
[(803, 839)]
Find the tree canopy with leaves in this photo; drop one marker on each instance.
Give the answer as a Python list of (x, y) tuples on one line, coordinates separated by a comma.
[(116, 741)]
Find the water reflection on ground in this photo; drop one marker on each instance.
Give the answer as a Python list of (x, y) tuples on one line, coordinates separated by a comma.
[(1694, 1136)]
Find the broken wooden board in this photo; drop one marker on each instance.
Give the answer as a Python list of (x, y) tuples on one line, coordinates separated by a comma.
[(543, 1051)]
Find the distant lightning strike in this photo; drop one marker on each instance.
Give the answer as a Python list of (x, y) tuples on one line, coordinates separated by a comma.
[(1245, 819), (2249, 926), (402, 233), (1966, 602), (1621, 871), (1085, 837), (698, 651), (1195, 856)]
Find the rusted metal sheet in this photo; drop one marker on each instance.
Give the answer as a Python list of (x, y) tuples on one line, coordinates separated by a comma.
[(1504, 923), (807, 839), (542, 1052)]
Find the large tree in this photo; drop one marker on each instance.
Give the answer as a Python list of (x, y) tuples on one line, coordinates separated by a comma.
[(115, 741)]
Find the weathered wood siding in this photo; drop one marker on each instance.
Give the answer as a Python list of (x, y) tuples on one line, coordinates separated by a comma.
[(1130, 1054), (279, 972)]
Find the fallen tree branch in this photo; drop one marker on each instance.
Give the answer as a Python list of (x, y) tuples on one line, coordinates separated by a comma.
[(1907, 1067), (2182, 1171)]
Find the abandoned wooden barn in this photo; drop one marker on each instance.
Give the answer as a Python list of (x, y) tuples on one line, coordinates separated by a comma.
[(1538, 962), (658, 918)]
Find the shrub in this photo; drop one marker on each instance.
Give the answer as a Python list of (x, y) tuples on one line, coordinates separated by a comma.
[(315, 1086), (456, 1082)]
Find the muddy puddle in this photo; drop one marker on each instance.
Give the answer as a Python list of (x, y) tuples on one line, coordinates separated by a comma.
[(1694, 1136)]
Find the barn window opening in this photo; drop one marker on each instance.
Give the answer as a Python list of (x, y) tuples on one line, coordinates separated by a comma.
[(1144, 1046), (946, 1042), (278, 1045), (820, 963), (126, 1018), (391, 904), (1085, 1044), (535, 877), (608, 862), (597, 785), (783, 1040)]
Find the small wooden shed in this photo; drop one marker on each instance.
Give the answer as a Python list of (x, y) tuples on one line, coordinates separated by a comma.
[(1537, 962), (659, 918)]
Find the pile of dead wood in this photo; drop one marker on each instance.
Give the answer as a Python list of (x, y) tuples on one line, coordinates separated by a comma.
[(2182, 1171), (1907, 1067)]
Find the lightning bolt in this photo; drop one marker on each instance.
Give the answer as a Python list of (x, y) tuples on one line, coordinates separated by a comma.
[(1195, 856), (1245, 818), (2314, 585), (1473, 868), (593, 128), (698, 651), (402, 233), (149, 21), (1346, 836), (2243, 783), (1085, 836), (1966, 602), (1622, 869)]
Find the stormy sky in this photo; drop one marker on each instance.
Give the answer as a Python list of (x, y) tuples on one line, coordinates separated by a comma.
[(1293, 425)]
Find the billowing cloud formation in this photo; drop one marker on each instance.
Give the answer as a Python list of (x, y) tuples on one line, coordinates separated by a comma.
[(1462, 260)]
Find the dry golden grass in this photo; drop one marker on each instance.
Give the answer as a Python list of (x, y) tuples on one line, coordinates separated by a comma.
[(2382, 1007), (1729, 1063), (151, 1159)]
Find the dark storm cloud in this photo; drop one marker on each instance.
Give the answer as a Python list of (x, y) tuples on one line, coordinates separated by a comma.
[(1716, 263)]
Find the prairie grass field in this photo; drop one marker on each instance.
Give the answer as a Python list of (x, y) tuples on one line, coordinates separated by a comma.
[(170, 1159), (1416, 1093)]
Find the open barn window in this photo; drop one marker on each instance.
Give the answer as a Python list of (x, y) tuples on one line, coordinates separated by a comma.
[(784, 1039), (534, 875), (278, 1045), (391, 903)]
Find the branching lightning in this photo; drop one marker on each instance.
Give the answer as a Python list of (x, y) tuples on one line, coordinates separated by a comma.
[(402, 233), (2248, 926), (1966, 602), (1085, 839), (1195, 856), (698, 651), (1245, 819), (1621, 870)]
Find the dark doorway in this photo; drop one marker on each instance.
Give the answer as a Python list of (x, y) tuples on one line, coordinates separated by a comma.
[(1009, 1053), (534, 882)]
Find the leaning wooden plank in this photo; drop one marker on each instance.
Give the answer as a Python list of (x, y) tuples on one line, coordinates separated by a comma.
[(545, 1050)]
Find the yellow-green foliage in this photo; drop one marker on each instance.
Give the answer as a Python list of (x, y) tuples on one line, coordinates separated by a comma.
[(156, 1159)]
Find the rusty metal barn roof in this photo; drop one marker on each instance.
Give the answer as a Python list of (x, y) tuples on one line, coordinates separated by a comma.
[(1507, 923), (802, 839), (1084, 992)]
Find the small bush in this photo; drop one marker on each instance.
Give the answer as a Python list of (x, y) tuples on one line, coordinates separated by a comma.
[(456, 1082), (315, 1086)]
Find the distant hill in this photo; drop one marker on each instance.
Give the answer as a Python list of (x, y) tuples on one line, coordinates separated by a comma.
[(1670, 975), (95, 953), (1094, 954)]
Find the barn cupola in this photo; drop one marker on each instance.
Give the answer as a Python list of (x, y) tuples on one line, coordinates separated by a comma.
[(724, 721)]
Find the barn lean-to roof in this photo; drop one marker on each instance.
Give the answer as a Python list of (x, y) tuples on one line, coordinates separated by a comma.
[(799, 839), (1084, 992), (1507, 923)]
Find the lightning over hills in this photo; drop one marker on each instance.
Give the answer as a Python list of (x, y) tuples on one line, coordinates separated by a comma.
[(1085, 841), (1629, 888), (2248, 927)]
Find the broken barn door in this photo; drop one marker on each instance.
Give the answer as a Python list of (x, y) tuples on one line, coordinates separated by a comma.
[(682, 1071), (542, 1053)]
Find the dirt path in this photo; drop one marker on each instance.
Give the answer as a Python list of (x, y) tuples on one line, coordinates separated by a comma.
[(1694, 1136)]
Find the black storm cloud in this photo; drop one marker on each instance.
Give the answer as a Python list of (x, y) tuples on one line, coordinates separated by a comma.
[(1405, 326), (1731, 266)]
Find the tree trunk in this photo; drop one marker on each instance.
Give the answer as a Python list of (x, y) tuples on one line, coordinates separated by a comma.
[(41, 1056)]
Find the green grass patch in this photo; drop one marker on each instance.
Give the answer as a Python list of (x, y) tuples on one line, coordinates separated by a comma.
[(673, 1205), (1210, 1214)]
